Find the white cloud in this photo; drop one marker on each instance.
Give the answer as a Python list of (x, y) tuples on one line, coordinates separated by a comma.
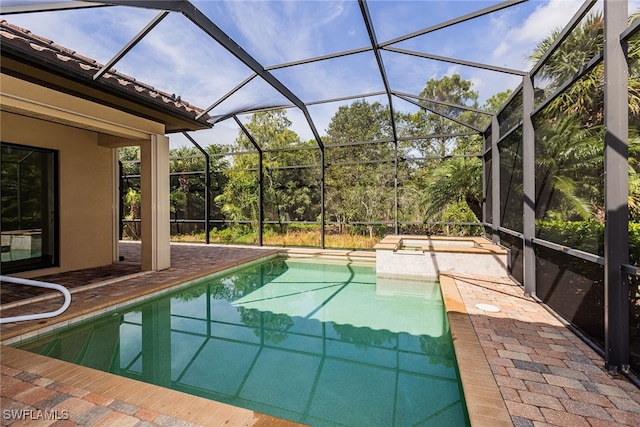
[(283, 31), (547, 17), (96, 35), (223, 133), (501, 50), (523, 33), (179, 58)]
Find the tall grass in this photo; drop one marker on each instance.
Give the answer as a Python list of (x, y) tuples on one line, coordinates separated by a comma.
[(300, 238), (313, 239)]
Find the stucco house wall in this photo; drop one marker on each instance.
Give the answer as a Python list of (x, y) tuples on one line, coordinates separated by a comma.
[(85, 187), (84, 134), (54, 98)]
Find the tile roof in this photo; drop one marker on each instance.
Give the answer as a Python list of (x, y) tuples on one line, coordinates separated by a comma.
[(52, 56)]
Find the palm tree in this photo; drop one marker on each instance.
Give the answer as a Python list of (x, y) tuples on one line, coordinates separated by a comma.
[(569, 152), (585, 97), (451, 191), (454, 181), (569, 170)]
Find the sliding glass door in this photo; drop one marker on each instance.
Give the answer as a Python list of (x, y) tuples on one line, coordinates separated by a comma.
[(29, 208)]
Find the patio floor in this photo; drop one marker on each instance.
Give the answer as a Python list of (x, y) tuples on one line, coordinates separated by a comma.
[(544, 373)]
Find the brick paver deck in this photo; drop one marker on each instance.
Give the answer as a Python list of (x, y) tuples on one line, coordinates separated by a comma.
[(545, 374)]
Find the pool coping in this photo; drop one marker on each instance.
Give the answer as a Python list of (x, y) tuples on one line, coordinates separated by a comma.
[(484, 402), (485, 405), (482, 245), (33, 328)]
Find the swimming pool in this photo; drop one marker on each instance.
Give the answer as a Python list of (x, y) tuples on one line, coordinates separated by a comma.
[(320, 343)]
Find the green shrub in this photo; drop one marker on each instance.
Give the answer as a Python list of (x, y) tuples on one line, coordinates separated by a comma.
[(587, 236), (238, 234), (634, 243)]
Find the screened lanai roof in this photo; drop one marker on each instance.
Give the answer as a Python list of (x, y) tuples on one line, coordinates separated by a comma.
[(232, 58)]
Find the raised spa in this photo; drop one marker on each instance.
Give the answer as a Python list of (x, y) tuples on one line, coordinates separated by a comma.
[(429, 256)]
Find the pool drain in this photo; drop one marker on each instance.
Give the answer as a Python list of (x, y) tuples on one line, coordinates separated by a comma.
[(488, 307)]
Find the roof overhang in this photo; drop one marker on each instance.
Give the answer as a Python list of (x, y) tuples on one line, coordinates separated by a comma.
[(56, 68)]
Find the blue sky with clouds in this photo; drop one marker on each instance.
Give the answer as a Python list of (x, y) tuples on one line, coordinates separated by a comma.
[(177, 57)]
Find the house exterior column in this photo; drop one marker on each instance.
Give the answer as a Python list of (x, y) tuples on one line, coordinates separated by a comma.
[(154, 185)]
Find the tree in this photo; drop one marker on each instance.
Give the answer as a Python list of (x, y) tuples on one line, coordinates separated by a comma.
[(129, 159), (451, 190), (432, 185), (188, 184), (290, 193), (442, 119), (187, 190), (634, 175), (22, 184), (584, 98), (634, 124), (569, 170), (454, 188), (569, 152), (359, 176), (239, 200)]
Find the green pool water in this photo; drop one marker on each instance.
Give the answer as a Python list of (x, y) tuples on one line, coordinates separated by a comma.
[(321, 343)]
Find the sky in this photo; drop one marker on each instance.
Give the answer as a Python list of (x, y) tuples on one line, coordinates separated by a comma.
[(176, 57)]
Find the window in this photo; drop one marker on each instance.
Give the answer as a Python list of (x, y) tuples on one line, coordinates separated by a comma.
[(29, 208)]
